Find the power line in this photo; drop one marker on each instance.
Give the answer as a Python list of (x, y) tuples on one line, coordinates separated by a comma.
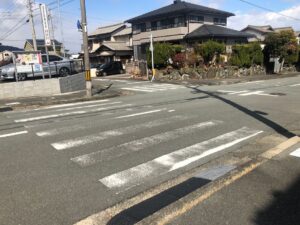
[(14, 29), (269, 10)]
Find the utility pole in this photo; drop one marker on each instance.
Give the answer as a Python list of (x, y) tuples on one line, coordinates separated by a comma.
[(53, 35), (86, 49), (29, 6), (61, 29)]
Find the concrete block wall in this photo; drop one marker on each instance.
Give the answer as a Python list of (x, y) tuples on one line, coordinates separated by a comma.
[(43, 88), (72, 83)]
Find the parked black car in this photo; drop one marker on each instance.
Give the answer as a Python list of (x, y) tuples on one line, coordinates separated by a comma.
[(110, 68)]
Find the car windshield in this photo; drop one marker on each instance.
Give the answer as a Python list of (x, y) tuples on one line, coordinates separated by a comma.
[(103, 66)]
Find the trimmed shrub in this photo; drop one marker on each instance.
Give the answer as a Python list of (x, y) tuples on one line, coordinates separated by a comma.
[(209, 50), (162, 53)]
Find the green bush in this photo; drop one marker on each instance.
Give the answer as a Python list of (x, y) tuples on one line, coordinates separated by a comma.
[(246, 55), (282, 45), (162, 53), (210, 49)]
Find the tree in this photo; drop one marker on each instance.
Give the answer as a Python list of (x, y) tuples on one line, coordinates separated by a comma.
[(246, 55), (162, 53), (281, 45), (210, 49)]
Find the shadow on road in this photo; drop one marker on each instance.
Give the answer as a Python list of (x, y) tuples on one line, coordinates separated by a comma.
[(254, 114), (146, 208), (284, 208)]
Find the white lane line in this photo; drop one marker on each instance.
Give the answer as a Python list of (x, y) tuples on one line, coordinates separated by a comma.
[(257, 93), (71, 143), (71, 104), (62, 130), (13, 134), (13, 103), (254, 82), (137, 89), (87, 106), (296, 153), (238, 92), (295, 85), (140, 144), (139, 114), (129, 178), (66, 114)]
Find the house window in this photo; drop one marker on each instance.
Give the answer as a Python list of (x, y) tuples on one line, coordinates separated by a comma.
[(138, 28), (167, 23), (154, 25), (197, 19), (220, 21), (180, 22), (142, 27)]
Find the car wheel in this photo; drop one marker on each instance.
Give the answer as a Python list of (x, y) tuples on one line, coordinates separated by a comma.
[(63, 72), (104, 74), (122, 71), (22, 76)]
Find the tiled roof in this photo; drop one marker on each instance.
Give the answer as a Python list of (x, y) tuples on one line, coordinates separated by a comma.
[(179, 7), (217, 31), (263, 29), (279, 29), (126, 31), (107, 29), (9, 48), (116, 46), (41, 42)]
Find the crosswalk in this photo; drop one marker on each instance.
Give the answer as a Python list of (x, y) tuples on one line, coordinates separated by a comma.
[(244, 93), (296, 153), (168, 140), (151, 88)]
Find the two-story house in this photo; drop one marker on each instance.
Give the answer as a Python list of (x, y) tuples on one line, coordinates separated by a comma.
[(111, 43), (183, 23), (260, 32), (28, 46)]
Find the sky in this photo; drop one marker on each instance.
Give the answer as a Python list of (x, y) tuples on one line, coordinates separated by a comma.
[(106, 12)]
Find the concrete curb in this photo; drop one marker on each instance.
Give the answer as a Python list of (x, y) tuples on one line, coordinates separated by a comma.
[(187, 203), (49, 101)]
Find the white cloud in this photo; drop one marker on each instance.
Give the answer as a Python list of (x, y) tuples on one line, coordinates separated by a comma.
[(241, 20)]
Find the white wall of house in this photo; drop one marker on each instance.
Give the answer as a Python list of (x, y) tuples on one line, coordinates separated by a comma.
[(5, 56)]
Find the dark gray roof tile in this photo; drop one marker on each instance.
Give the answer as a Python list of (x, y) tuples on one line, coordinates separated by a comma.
[(179, 7), (206, 31)]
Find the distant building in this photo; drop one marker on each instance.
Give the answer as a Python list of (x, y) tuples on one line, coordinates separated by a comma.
[(28, 46), (6, 52), (181, 23), (111, 43), (260, 32)]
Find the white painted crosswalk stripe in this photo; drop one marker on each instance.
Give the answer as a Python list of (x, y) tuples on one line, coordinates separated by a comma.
[(295, 85), (67, 144), (296, 153), (153, 87), (141, 113), (30, 119), (129, 178), (71, 104), (13, 134), (136, 145)]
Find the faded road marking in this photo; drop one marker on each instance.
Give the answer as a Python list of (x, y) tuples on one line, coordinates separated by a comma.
[(129, 178), (137, 145), (13, 134), (296, 153)]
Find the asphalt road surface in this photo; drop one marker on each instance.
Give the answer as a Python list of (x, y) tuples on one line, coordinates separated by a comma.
[(63, 163)]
